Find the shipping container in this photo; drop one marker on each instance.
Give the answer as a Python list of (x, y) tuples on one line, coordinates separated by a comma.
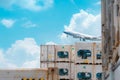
[(64, 70), (97, 53), (43, 53), (88, 72), (47, 64), (72, 62), (84, 52), (73, 53), (43, 65), (72, 73), (98, 72), (84, 72), (52, 53), (29, 74), (63, 52), (47, 53)]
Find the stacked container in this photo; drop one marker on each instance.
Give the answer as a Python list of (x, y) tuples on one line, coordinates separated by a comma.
[(59, 56), (74, 62), (47, 57), (83, 53), (64, 61), (87, 58)]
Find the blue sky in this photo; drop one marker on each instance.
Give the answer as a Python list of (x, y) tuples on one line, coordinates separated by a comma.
[(26, 24)]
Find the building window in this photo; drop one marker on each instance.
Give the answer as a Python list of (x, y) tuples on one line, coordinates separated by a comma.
[(84, 54), (63, 54)]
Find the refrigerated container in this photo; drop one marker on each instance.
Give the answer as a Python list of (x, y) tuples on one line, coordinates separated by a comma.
[(84, 52), (63, 52), (84, 72)]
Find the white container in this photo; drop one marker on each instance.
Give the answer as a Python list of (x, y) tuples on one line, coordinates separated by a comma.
[(43, 53), (43, 65), (83, 69), (64, 70), (72, 73), (98, 72), (47, 64), (98, 53), (73, 53), (84, 46), (63, 52), (47, 53)]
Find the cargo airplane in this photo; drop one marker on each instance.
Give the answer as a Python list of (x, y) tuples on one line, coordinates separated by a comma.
[(82, 36)]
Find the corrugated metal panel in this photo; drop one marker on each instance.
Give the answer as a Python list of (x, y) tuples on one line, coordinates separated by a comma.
[(47, 64), (73, 53), (43, 52), (98, 72), (51, 53), (83, 46), (47, 53), (43, 65), (51, 64), (72, 74), (98, 53)]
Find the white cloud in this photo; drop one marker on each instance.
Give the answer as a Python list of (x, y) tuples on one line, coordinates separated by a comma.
[(83, 22), (33, 5), (8, 22), (31, 64), (4, 62), (50, 43), (1, 56), (29, 24), (28, 45), (10, 65), (98, 3), (20, 54)]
